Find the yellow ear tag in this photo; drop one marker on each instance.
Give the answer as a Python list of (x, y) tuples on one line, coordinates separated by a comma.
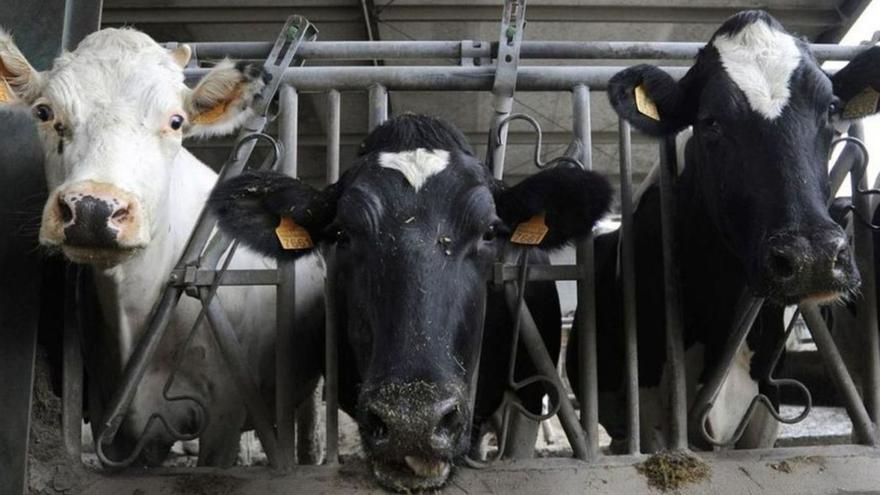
[(645, 104), (530, 232), (292, 236), (862, 104)]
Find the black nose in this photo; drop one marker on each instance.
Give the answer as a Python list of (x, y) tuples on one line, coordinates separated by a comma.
[(804, 264), (90, 221), (415, 419)]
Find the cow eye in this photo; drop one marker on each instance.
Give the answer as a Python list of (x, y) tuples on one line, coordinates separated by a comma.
[(833, 108), (44, 112), (176, 122), (491, 233), (711, 128)]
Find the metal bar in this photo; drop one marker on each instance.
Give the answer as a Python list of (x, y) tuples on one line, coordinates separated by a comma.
[(331, 360), (81, 18), (863, 427), (367, 50), (378, 106), (285, 297), (866, 298), (72, 393), (628, 277), (233, 355), (333, 118), (504, 81), (531, 340), (331, 351), (586, 289), (438, 78), (206, 278), (674, 325)]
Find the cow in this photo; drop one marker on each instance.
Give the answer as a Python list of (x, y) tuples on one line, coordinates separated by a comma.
[(751, 214), (411, 232), (124, 195)]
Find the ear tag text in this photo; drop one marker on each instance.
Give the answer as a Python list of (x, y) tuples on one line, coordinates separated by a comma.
[(292, 236), (645, 104), (862, 104), (531, 232)]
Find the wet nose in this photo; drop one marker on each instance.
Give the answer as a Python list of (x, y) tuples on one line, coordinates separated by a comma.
[(92, 219), (407, 423), (796, 263)]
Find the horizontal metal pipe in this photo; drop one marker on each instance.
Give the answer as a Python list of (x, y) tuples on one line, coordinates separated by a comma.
[(434, 78), (369, 50)]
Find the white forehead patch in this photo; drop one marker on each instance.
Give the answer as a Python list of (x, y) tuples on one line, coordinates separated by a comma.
[(760, 60), (417, 165)]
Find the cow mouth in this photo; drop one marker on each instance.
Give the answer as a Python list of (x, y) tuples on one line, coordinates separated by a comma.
[(98, 257), (414, 473)]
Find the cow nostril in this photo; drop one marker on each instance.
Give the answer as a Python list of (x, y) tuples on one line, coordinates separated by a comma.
[(64, 210), (781, 265), (376, 428), (120, 215), (449, 427)]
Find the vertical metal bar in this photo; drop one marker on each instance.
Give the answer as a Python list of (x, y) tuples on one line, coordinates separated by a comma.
[(674, 327), (586, 290), (72, 393), (81, 18), (285, 298), (864, 428), (331, 356), (534, 345), (333, 109), (378, 105), (628, 276), (866, 321)]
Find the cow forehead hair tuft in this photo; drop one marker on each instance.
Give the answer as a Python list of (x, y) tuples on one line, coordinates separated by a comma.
[(417, 166), (760, 58)]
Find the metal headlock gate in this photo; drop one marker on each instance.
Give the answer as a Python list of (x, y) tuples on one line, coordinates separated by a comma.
[(198, 274)]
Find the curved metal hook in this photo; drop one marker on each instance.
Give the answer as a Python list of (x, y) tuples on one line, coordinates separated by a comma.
[(538, 142), (272, 160), (203, 415), (762, 399)]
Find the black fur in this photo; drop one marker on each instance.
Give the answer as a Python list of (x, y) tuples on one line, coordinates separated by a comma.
[(739, 21), (573, 200), (252, 204), (667, 94), (862, 71), (411, 131)]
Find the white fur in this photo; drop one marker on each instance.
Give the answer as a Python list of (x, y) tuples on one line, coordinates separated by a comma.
[(115, 94), (417, 165), (761, 60), (734, 398)]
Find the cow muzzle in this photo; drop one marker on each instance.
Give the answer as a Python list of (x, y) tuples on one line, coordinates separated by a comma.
[(94, 223), (817, 267), (412, 432)]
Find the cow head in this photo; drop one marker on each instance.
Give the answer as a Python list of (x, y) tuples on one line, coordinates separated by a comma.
[(416, 224), (111, 116), (763, 114)]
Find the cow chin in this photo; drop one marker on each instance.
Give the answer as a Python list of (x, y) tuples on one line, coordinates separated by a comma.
[(414, 473), (101, 258)]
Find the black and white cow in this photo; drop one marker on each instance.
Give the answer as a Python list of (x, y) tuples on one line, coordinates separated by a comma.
[(124, 195), (751, 213), (416, 224)]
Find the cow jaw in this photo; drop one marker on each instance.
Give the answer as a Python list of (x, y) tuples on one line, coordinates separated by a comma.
[(415, 473), (100, 258)]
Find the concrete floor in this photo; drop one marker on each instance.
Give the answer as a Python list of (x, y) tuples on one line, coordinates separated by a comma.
[(830, 469)]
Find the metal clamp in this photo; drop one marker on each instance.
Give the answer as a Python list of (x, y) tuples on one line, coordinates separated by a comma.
[(568, 157)]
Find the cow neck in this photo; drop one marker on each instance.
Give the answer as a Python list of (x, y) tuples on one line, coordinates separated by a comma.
[(128, 291), (711, 277)]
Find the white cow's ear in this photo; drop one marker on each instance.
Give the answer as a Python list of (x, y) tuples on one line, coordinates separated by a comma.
[(221, 101), (19, 82)]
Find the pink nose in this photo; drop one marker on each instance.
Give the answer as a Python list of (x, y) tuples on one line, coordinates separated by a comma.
[(94, 218)]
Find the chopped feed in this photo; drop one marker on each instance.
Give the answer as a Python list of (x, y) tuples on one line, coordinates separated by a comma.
[(670, 471)]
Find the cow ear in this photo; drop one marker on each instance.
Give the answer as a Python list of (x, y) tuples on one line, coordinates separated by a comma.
[(19, 82), (274, 214), (650, 99), (857, 84), (220, 103), (567, 200)]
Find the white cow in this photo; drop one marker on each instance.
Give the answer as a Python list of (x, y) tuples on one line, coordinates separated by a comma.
[(124, 197)]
